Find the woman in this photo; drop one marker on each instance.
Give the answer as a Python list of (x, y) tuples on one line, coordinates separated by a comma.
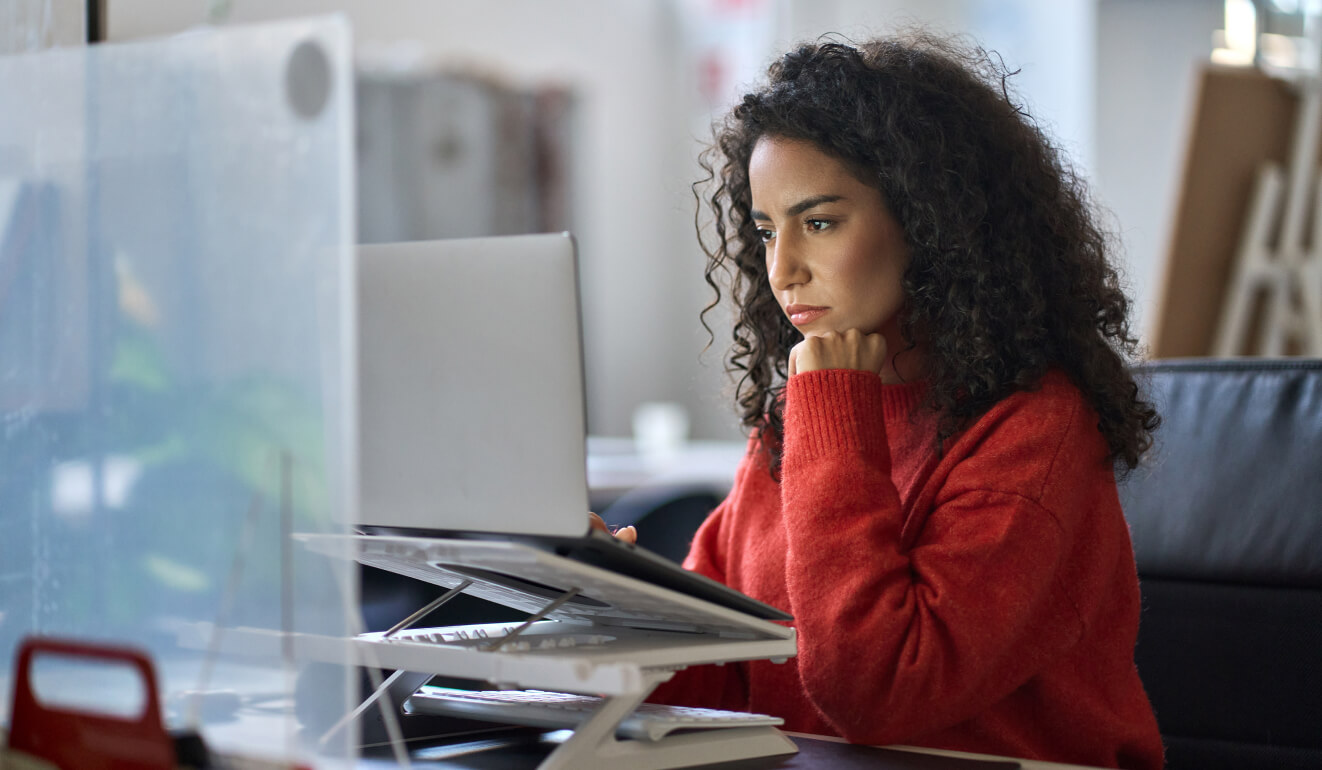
[(932, 348)]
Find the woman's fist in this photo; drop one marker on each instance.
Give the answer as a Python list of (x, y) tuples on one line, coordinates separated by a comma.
[(850, 349)]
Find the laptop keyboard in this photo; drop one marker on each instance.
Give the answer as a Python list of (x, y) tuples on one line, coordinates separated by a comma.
[(557, 710)]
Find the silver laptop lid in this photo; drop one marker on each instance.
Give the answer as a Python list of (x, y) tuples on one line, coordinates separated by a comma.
[(471, 412)]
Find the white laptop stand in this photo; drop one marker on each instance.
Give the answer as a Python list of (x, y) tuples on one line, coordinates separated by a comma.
[(589, 631)]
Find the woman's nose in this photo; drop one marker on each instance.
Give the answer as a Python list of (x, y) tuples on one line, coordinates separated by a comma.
[(785, 268)]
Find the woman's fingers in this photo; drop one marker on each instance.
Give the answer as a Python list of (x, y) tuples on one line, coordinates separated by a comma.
[(851, 349), (627, 534)]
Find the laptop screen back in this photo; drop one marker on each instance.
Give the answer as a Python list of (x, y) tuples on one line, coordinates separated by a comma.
[(471, 412)]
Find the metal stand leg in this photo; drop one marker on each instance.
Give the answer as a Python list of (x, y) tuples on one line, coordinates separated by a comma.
[(415, 617), (525, 625)]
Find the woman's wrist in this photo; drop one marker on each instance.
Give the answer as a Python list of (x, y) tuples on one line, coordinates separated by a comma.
[(828, 411)]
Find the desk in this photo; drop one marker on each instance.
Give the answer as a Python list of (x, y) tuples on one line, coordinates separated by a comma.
[(522, 750), (509, 748), (815, 753)]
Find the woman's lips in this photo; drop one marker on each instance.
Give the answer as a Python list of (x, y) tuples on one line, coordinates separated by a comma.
[(801, 315)]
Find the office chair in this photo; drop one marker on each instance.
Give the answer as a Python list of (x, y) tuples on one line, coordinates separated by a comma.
[(666, 515), (1226, 518)]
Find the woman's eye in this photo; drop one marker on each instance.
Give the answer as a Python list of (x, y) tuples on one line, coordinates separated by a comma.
[(765, 235), (818, 224)]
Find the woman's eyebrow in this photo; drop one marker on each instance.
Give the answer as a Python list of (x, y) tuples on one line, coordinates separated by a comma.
[(801, 206)]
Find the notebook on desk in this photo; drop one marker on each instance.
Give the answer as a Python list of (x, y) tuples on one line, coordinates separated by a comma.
[(472, 416)]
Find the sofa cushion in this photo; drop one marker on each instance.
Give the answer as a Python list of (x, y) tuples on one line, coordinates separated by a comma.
[(1232, 489), (1239, 665)]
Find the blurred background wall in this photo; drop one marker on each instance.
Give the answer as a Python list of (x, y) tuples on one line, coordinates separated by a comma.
[(632, 88)]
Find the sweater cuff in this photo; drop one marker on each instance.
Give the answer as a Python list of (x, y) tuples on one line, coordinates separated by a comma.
[(833, 411)]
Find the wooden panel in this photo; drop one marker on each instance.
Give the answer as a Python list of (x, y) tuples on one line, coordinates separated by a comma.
[(1242, 119)]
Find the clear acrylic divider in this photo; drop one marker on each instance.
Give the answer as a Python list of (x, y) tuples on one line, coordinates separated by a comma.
[(176, 373)]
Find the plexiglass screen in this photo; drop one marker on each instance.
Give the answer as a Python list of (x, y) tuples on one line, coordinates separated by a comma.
[(176, 229)]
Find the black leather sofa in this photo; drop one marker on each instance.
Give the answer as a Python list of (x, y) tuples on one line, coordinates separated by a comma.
[(1226, 517)]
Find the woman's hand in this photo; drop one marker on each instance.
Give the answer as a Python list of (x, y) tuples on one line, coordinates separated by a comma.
[(851, 349), (627, 534)]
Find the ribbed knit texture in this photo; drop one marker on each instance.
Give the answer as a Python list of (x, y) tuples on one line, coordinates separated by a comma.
[(984, 600), (841, 412)]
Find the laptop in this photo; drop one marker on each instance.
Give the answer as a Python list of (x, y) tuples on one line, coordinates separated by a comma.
[(472, 419)]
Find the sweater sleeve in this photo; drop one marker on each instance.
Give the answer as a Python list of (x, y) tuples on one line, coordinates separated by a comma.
[(898, 640)]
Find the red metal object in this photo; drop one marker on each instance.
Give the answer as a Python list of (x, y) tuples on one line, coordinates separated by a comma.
[(77, 740)]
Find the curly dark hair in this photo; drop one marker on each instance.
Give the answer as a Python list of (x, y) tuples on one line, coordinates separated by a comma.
[(1009, 273)]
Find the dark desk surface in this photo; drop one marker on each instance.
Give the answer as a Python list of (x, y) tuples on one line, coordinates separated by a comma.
[(525, 750)]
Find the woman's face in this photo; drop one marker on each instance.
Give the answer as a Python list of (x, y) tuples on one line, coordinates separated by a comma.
[(835, 255)]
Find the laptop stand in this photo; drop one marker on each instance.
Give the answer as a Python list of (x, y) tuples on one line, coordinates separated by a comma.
[(588, 631), (594, 743)]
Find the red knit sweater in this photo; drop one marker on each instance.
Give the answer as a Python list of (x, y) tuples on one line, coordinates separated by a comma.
[(985, 600)]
